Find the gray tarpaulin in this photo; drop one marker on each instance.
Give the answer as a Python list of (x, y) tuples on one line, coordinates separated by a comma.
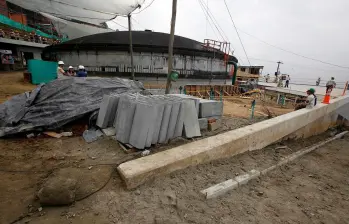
[(59, 102)]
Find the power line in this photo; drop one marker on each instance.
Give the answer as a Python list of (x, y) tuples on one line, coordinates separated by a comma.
[(204, 9), (119, 24), (138, 22), (306, 57), (209, 22), (145, 7), (214, 19), (237, 31)]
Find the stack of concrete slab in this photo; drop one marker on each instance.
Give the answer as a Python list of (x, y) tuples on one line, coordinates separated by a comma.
[(145, 120)]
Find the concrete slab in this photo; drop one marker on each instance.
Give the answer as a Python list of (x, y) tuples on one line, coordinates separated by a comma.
[(104, 112), (195, 99), (124, 118), (230, 143), (220, 189), (164, 123), (191, 123), (203, 123), (141, 125), (210, 108), (173, 120), (180, 122)]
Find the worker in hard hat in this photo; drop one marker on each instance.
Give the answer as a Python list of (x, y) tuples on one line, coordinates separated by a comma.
[(71, 71), (310, 102), (82, 72), (330, 85), (61, 74)]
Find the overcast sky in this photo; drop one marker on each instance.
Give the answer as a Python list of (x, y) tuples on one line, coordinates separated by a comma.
[(313, 28)]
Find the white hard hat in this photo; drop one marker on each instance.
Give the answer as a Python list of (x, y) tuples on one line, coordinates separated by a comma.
[(81, 67), (61, 63), (70, 67)]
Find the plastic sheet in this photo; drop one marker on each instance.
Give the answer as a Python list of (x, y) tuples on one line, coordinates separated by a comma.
[(90, 11), (59, 102)]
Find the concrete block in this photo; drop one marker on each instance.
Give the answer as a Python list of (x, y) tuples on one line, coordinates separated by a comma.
[(254, 174), (203, 123), (242, 179), (220, 189), (267, 170), (210, 108), (214, 126), (191, 122)]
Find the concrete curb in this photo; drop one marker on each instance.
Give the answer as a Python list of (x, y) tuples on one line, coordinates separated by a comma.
[(231, 184)]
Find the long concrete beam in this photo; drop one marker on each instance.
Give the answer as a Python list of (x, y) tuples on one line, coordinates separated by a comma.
[(225, 145)]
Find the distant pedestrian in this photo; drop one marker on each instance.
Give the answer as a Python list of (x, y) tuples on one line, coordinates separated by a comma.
[(310, 102), (330, 84), (287, 81), (82, 72), (318, 81)]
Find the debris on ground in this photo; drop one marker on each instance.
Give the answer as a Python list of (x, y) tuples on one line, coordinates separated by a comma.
[(53, 134), (91, 135)]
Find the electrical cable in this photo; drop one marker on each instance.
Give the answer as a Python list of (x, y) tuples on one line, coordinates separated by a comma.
[(118, 24), (207, 15), (294, 53), (225, 2)]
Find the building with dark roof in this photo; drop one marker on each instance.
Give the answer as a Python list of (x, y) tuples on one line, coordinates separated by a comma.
[(109, 52)]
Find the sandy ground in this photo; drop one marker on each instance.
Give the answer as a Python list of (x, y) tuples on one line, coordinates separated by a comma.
[(313, 189), (12, 83)]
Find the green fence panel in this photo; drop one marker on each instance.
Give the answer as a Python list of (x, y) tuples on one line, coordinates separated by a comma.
[(9, 22)]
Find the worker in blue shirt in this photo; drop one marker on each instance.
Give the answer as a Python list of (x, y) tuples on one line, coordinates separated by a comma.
[(82, 72)]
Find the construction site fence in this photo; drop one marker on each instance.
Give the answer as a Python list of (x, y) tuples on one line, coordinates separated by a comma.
[(16, 25)]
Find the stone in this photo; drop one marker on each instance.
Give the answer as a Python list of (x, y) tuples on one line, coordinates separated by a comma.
[(58, 191), (210, 108), (203, 124)]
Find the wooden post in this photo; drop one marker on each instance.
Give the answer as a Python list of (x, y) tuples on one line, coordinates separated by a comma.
[(131, 48), (170, 46)]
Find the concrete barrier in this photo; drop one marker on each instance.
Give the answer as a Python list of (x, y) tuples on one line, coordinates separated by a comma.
[(295, 124)]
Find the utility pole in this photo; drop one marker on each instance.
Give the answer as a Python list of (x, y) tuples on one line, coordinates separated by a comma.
[(170, 46), (278, 68), (131, 48)]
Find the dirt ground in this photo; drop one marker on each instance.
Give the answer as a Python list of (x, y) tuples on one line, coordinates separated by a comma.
[(313, 189)]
